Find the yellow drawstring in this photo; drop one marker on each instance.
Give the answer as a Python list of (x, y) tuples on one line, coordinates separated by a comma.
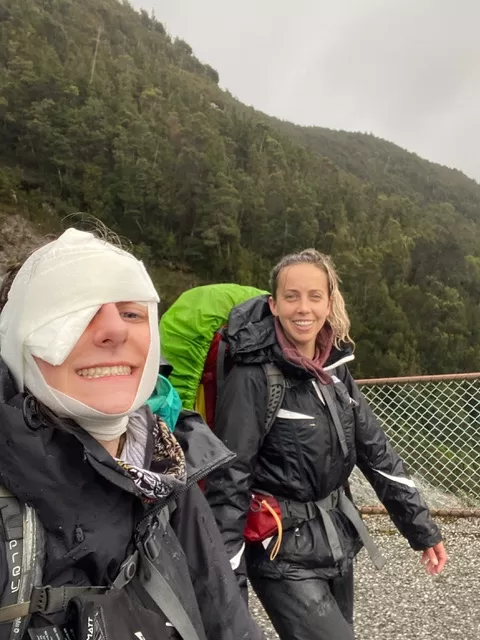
[(200, 406), (278, 542)]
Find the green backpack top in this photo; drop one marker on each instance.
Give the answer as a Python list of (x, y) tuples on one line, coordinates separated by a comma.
[(188, 327)]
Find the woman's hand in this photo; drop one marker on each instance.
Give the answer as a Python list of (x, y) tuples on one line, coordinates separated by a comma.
[(435, 559)]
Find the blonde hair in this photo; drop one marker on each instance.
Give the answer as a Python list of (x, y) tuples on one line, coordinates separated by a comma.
[(338, 318)]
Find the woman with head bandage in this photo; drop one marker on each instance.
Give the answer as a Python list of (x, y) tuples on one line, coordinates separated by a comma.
[(108, 483)]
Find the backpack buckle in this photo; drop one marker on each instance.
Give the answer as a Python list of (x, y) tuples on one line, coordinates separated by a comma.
[(150, 545), (127, 572), (145, 538)]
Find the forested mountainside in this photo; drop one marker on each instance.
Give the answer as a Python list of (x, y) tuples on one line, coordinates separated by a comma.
[(392, 169), (102, 112)]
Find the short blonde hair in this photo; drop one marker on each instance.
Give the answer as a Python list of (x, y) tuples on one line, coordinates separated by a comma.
[(338, 318)]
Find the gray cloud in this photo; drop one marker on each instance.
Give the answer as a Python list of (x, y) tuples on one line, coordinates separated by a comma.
[(405, 70)]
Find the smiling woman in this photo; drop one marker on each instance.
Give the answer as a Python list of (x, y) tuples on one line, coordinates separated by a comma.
[(80, 357), (301, 566), (302, 305), (61, 317)]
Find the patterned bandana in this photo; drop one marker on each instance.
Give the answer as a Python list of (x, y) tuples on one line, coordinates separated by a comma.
[(167, 473)]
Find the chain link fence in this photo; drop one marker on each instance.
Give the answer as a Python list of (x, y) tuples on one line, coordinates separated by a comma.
[(434, 424)]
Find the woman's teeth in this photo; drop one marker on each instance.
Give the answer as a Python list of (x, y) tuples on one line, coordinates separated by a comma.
[(101, 372)]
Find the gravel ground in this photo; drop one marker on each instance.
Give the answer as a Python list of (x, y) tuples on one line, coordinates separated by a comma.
[(402, 602)]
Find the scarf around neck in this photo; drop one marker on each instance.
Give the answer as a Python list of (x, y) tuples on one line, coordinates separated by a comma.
[(167, 471), (313, 365)]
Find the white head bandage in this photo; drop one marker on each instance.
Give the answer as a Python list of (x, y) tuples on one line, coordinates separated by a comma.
[(52, 300)]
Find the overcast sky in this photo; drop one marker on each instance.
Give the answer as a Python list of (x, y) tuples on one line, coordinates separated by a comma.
[(404, 70)]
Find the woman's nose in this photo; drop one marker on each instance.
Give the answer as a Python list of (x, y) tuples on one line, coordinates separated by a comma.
[(109, 328), (303, 305)]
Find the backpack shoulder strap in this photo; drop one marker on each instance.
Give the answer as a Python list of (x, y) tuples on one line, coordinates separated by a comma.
[(276, 385), (22, 536), (155, 583)]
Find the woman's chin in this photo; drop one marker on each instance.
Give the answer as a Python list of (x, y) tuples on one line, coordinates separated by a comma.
[(110, 399), (112, 406), (113, 411)]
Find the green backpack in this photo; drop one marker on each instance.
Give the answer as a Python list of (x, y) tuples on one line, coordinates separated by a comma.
[(192, 341)]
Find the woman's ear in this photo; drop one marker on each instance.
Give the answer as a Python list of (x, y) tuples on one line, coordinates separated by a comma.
[(272, 305), (330, 307)]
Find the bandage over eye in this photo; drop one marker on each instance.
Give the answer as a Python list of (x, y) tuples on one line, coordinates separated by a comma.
[(54, 341), (58, 291)]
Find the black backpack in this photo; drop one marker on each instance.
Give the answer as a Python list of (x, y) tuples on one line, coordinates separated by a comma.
[(109, 611)]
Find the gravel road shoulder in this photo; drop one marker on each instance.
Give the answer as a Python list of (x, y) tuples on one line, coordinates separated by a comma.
[(402, 602)]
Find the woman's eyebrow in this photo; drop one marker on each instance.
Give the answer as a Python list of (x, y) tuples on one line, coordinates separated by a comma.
[(309, 291)]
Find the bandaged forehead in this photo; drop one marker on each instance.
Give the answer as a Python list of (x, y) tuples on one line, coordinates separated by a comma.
[(58, 291)]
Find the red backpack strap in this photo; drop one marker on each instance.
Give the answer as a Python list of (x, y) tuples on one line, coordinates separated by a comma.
[(213, 376), (221, 354)]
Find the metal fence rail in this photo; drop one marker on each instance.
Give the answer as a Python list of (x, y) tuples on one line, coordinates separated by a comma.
[(434, 424)]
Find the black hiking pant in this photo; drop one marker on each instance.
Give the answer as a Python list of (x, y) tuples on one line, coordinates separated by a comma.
[(311, 609)]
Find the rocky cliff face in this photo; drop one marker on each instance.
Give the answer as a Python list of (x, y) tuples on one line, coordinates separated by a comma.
[(17, 238)]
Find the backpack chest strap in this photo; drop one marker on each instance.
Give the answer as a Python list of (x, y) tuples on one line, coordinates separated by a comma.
[(46, 600)]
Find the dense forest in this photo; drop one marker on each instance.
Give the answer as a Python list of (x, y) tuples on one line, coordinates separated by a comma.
[(102, 111)]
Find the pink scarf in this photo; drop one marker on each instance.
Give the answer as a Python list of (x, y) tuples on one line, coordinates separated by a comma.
[(312, 365)]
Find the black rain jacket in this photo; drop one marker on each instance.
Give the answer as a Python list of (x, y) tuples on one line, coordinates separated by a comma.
[(300, 458), (89, 508)]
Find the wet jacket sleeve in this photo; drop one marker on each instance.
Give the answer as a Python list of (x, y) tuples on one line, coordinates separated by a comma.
[(224, 613), (240, 419), (386, 472)]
